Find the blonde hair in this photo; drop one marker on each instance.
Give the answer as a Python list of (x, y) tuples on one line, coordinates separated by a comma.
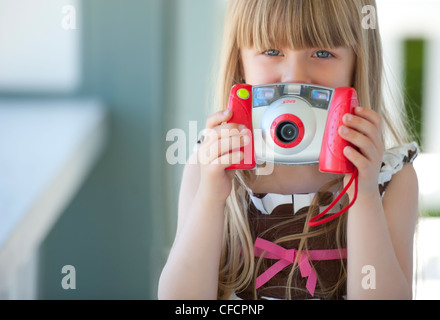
[(298, 24)]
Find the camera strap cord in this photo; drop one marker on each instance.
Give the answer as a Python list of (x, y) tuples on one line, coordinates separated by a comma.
[(315, 220)]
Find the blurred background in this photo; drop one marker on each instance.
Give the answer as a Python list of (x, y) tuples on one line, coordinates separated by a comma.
[(89, 91)]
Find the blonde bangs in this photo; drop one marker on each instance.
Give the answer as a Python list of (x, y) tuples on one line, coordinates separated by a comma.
[(298, 24)]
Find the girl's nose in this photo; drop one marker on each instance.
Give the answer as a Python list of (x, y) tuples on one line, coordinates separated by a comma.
[(295, 70)]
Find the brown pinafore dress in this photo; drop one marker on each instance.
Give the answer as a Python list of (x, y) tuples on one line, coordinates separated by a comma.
[(267, 211)]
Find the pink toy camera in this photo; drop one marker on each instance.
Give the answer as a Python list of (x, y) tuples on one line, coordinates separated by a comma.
[(293, 124)]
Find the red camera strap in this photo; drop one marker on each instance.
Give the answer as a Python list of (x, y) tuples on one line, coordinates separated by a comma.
[(315, 220)]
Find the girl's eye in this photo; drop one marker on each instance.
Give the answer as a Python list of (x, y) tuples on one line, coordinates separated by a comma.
[(322, 54), (273, 53)]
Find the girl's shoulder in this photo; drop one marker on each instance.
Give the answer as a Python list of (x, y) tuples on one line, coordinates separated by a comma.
[(393, 161)]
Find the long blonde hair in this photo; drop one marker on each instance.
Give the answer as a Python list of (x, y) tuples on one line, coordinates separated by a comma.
[(297, 24)]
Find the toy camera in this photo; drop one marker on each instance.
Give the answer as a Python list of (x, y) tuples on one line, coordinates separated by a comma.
[(293, 124)]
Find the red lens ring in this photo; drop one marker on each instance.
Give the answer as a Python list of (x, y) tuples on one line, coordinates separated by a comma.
[(283, 118)]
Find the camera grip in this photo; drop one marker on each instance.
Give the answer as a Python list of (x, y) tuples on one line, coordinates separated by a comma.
[(331, 158), (240, 103)]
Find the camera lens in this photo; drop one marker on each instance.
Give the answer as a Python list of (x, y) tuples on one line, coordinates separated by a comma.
[(287, 132)]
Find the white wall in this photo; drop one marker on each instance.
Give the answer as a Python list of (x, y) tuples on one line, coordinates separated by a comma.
[(404, 19), (39, 57)]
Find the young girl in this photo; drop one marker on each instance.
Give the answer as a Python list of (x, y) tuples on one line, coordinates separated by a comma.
[(243, 235)]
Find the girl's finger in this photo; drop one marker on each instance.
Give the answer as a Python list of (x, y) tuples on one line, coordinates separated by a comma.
[(225, 145), (229, 159), (364, 143), (224, 131), (358, 159), (215, 149), (365, 127), (218, 118), (369, 115)]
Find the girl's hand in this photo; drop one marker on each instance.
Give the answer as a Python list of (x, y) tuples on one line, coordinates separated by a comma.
[(214, 154), (363, 130)]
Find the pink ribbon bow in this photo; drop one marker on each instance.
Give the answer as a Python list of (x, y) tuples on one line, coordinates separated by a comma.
[(287, 257)]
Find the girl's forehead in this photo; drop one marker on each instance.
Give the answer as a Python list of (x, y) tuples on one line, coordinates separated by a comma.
[(297, 24)]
